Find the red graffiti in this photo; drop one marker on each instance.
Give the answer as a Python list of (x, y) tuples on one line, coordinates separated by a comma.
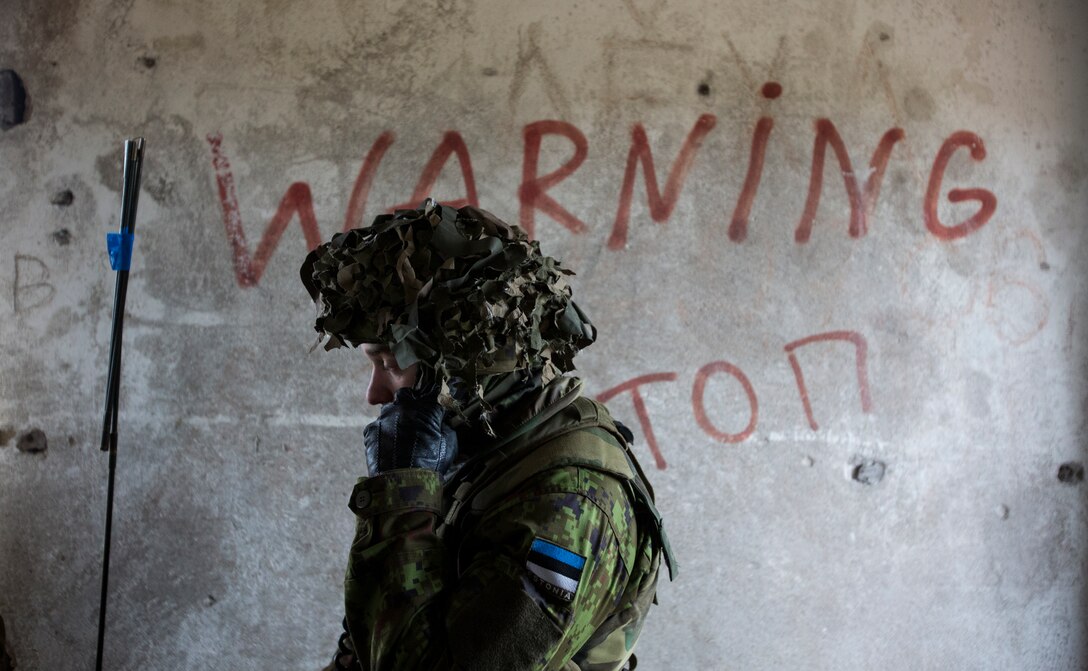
[(861, 204), (452, 144), (701, 418), (532, 192), (661, 205), (248, 269), (704, 374), (986, 199), (861, 352), (640, 408), (738, 227), (361, 190)]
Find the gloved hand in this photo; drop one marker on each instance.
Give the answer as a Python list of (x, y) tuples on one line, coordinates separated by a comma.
[(410, 433)]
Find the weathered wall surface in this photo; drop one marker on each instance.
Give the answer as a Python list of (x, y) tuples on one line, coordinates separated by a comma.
[(859, 377)]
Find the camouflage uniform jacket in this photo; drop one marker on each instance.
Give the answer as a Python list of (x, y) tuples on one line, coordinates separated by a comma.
[(539, 554)]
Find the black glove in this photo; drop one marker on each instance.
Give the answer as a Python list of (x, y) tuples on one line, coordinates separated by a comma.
[(410, 433), (344, 659)]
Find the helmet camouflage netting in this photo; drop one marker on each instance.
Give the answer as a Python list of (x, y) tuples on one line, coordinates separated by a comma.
[(459, 291)]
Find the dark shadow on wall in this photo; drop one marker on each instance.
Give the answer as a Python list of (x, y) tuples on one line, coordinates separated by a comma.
[(7, 658)]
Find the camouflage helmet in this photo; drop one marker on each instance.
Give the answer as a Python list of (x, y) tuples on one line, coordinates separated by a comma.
[(459, 291)]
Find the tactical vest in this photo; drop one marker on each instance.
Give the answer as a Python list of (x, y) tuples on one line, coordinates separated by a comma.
[(574, 431)]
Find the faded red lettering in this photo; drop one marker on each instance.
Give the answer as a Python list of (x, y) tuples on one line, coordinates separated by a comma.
[(861, 204), (700, 409), (452, 144), (297, 200), (533, 190), (987, 200), (861, 352), (640, 408), (661, 205), (738, 227), (361, 190)]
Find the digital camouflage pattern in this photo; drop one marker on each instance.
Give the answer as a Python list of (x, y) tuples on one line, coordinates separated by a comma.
[(460, 291), (418, 600)]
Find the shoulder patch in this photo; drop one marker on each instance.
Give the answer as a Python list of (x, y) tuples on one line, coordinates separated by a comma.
[(554, 569)]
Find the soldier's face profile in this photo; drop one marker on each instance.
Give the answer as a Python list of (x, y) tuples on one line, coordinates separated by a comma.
[(386, 377)]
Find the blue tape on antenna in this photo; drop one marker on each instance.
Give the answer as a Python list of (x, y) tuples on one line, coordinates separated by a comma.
[(119, 245)]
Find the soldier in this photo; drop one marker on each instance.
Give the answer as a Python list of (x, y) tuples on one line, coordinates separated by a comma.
[(504, 524)]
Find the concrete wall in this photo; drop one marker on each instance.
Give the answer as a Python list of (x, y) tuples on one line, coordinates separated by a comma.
[(866, 403)]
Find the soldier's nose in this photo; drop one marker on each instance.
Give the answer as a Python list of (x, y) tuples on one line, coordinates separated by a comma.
[(377, 391)]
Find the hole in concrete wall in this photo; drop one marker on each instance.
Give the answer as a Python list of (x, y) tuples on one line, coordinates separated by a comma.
[(12, 100), (32, 441), (62, 237), (7, 432), (62, 198), (1071, 472), (868, 472), (884, 37), (490, 72), (1044, 266), (147, 61), (704, 89)]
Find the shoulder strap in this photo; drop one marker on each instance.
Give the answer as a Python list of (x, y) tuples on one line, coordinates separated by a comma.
[(586, 447), (586, 436), (569, 415)]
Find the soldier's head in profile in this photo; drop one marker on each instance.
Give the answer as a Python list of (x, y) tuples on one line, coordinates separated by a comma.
[(484, 451), (449, 297)]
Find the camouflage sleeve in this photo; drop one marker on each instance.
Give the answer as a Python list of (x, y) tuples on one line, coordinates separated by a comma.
[(531, 581)]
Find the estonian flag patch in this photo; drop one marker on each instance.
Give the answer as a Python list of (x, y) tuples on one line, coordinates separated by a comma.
[(554, 569)]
